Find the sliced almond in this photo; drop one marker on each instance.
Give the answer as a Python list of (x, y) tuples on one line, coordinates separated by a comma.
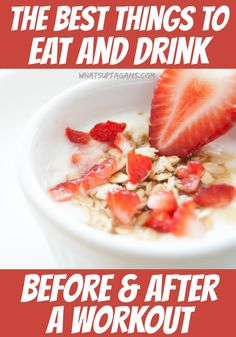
[(149, 152), (214, 168), (158, 188), (101, 191), (142, 218), (148, 187), (173, 160), (138, 135), (141, 193), (171, 183), (131, 187), (207, 178), (119, 178), (114, 153), (162, 176), (83, 201), (122, 163), (167, 164), (100, 204)]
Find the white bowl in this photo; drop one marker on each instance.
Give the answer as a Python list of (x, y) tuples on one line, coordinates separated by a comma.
[(74, 243)]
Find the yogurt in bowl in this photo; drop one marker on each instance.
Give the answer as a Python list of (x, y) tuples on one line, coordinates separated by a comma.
[(76, 240)]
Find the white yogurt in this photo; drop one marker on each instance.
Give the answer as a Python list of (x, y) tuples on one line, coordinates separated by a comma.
[(59, 166)]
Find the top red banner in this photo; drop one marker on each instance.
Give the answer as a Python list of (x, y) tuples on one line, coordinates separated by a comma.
[(105, 34)]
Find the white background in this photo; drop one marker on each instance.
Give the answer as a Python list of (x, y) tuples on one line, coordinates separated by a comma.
[(22, 93)]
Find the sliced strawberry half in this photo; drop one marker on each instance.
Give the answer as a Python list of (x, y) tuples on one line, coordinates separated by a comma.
[(190, 176), (98, 175), (77, 137), (218, 195), (138, 167), (123, 204), (190, 108), (163, 201), (106, 132)]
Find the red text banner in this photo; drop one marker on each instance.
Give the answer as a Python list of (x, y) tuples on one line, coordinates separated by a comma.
[(117, 302), (106, 34)]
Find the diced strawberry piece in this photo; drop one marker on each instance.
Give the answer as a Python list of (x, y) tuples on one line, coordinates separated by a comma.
[(75, 158), (64, 191), (160, 221), (122, 143), (182, 172), (77, 137), (98, 175), (182, 222), (218, 195), (138, 167), (190, 108), (163, 201), (186, 221), (106, 132), (190, 184), (195, 167), (190, 176), (123, 204)]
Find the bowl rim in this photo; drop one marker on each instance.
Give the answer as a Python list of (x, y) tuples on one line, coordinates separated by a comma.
[(104, 241)]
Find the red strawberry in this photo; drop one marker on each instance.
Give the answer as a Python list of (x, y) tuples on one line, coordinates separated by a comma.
[(218, 195), (193, 167), (98, 175), (182, 222), (77, 137), (190, 184), (186, 222), (163, 201), (106, 132), (190, 176), (138, 167), (160, 221), (190, 108), (122, 143), (123, 204)]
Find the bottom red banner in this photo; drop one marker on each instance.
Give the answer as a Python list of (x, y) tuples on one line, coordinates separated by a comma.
[(117, 302)]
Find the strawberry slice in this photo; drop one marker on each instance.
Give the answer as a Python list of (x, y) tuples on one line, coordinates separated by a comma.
[(123, 204), (138, 167), (218, 195), (122, 143), (193, 167), (163, 201), (182, 222), (77, 137), (190, 176), (190, 108), (106, 132), (186, 221), (98, 175), (160, 221)]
